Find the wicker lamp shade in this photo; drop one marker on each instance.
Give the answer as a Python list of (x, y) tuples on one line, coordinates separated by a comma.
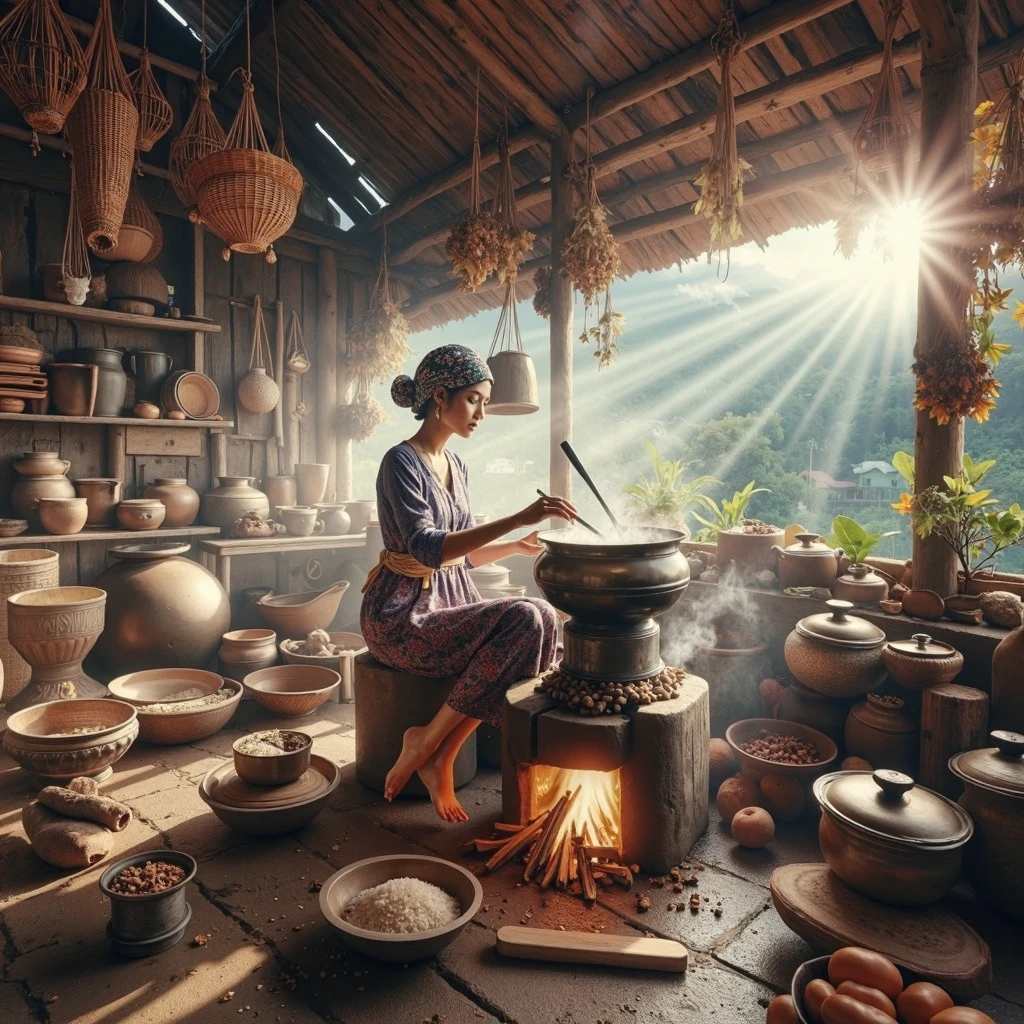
[(140, 238), (102, 130), (155, 114), (42, 67)]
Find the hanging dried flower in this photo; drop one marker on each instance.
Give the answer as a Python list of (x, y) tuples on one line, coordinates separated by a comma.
[(362, 416), (999, 142), (605, 333), (542, 292), (379, 342), (851, 223), (590, 254), (955, 382), (515, 241), (721, 179)]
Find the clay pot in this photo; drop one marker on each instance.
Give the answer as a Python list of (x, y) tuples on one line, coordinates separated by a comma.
[(921, 662), (360, 512), (751, 552), (879, 731), (53, 630), (180, 500), (164, 611), (836, 654), (41, 464), (302, 522), (230, 500), (923, 604), (732, 668), (141, 514), (21, 569), (62, 516), (102, 495), (247, 650), (150, 370), (807, 563), (994, 797), (808, 707), (311, 482), (337, 522), (860, 585), (73, 388), (112, 382), (281, 492), (1008, 682), (294, 616), (25, 495)]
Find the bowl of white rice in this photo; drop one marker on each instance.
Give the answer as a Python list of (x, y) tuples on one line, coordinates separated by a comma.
[(400, 908)]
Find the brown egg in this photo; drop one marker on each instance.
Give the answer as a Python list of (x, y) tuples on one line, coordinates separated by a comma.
[(852, 963), (871, 996), (961, 1015), (736, 793), (781, 1010), (919, 1002), (721, 762), (840, 1009), (815, 994), (753, 827), (783, 796)]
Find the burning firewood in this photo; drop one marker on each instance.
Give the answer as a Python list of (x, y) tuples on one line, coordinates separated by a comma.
[(516, 844)]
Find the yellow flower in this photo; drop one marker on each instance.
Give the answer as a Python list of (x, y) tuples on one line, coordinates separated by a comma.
[(905, 505)]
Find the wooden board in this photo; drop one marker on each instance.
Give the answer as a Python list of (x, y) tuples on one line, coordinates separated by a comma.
[(636, 951), (162, 442), (929, 941)]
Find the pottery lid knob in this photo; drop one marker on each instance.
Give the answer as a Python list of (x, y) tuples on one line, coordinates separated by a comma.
[(839, 609), (807, 539), (893, 784), (1010, 744), (922, 640)]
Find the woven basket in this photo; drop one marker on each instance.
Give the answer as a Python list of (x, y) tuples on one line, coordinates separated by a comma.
[(21, 569), (140, 238), (200, 136), (137, 281)]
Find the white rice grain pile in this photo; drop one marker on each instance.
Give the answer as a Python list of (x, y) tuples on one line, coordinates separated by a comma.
[(402, 905)]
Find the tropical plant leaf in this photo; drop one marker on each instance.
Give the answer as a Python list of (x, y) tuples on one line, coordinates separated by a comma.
[(904, 465)]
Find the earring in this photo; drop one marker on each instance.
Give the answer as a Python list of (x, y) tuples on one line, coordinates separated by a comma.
[(437, 412)]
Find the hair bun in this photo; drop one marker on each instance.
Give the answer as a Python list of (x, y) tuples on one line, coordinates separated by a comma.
[(403, 391)]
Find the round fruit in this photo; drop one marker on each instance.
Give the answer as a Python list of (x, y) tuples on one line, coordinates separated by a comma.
[(815, 994), (781, 1010), (736, 793), (871, 996), (783, 796), (721, 763), (919, 1002), (961, 1015), (852, 963), (855, 764), (839, 1009), (753, 827)]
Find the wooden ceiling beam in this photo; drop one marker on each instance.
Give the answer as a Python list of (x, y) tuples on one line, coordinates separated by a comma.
[(230, 52)]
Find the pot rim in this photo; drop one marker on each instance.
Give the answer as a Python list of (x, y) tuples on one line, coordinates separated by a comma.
[(1002, 738), (179, 859), (148, 552), (659, 541)]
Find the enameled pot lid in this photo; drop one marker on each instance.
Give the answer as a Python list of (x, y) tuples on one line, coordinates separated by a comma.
[(999, 768), (837, 627), (921, 645), (808, 545), (888, 805)]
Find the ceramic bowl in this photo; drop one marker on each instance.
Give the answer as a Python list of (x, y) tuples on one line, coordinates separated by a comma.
[(42, 739), (346, 641), (62, 516), (171, 728), (154, 685), (297, 615), (758, 767), (12, 527), (269, 821), (273, 769), (191, 393), (351, 880), (141, 513), (292, 691)]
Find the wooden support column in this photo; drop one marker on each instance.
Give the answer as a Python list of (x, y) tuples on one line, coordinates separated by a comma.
[(198, 296), (326, 365), (561, 319), (949, 71), (346, 388)]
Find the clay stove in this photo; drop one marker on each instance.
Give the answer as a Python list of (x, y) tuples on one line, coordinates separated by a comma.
[(642, 773)]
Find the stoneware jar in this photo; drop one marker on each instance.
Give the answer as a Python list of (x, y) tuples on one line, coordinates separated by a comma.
[(62, 516), (302, 522), (141, 513), (883, 734), (180, 500), (102, 495), (835, 653), (336, 520), (994, 797), (1008, 682), (230, 500), (247, 650), (280, 492), (113, 381), (41, 464), (489, 579), (807, 563), (360, 511), (921, 662), (860, 585)]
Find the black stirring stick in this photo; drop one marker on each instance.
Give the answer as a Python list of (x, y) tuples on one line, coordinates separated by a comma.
[(582, 522), (578, 466)]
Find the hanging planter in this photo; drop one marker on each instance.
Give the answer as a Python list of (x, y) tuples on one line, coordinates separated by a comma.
[(358, 419), (140, 238), (42, 67), (102, 130), (155, 114), (257, 390), (296, 360), (379, 342), (514, 391), (75, 270)]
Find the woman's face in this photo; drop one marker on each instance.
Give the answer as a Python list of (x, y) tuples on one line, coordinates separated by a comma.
[(462, 413)]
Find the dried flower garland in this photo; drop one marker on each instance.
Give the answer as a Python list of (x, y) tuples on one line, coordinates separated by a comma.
[(852, 222), (542, 291), (955, 382), (362, 416), (379, 340), (590, 254), (515, 241), (721, 179), (605, 333)]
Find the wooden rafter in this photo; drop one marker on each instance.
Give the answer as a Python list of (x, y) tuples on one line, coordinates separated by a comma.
[(230, 52)]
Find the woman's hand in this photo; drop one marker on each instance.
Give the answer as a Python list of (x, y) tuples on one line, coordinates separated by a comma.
[(546, 508), (528, 545)]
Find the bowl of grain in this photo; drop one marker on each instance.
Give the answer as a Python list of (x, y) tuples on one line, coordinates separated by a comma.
[(272, 757), (164, 685), (173, 722), (772, 746), (400, 908), (292, 691)]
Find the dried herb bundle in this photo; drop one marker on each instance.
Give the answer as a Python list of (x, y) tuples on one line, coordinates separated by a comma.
[(999, 141), (515, 240), (362, 416), (590, 254), (721, 179), (851, 224), (957, 381), (542, 291), (379, 341), (605, 333)]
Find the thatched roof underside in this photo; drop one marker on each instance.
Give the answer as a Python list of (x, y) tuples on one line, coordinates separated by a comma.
[(393, 82)]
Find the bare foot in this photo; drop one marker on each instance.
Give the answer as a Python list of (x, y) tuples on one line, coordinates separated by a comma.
[(413, 756), (438, 777)]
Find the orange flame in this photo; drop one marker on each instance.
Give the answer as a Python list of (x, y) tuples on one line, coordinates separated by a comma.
[(598, 809)]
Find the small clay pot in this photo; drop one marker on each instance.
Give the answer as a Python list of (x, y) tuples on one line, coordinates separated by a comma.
[(924, 604), (891, 607), (337, 521), (180, 500), (62, 516), (102, 494), (302, 522), (73, 388), (807, 563), (882, 733), (921, 662), (141, 514)]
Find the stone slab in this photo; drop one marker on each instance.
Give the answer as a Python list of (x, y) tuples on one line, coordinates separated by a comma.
[(794, 843), (568, 740), (766, 949), (519, 713)]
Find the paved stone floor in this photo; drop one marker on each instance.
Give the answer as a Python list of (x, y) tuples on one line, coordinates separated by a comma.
[(270, 956)]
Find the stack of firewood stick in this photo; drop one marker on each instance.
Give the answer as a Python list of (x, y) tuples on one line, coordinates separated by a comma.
[(557, 852)]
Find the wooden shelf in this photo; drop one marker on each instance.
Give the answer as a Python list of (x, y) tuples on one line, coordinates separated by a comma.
[(272, 545), (28, 540), (116, 421), (103, 316)]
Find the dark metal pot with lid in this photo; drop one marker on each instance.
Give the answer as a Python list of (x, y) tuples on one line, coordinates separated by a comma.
[(994, 797), (890, 839), (921, 662), (807, 563), (835, 653)]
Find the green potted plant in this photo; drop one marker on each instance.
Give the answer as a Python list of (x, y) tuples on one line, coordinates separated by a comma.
[(663, 498), (860, 583), (746, 543)]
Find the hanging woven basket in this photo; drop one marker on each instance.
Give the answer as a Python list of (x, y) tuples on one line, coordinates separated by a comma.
[(140, 237), (42, 67), (257, 390), (200, 136), (155, 114), (102, 130)]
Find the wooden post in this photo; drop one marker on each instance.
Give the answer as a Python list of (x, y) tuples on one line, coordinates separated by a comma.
[(560, 472), (326, 365), (198, 296), (343, 480), (953, 718), (116, 453), (949, 71)]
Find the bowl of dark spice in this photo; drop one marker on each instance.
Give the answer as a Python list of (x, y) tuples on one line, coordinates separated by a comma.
[(771, 746), (272, 757), (148, 909)]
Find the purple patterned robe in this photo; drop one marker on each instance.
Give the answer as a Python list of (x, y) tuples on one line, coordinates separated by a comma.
[(447, 630)]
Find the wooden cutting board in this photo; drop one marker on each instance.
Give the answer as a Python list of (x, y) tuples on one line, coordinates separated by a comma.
[(636, 951), (929, 941)]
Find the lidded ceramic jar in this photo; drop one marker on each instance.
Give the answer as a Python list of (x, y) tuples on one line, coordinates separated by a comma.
[(921, 662), (141, 513), (807, 563), (834, 653), (860, 585), (489, 579), (883, 734), (994, 797), (180, 501), (230, 500)]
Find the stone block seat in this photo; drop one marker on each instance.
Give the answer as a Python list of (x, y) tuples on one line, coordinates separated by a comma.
[(387, 703)]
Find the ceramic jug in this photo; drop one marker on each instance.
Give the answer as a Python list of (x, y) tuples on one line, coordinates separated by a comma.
[(150, 370)]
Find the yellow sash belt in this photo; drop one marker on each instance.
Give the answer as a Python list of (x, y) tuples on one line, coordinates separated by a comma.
[(406, 565)]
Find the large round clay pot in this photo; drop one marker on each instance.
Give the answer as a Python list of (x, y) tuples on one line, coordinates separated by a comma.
[(1008, 682), (180, 500), (879, 731), (113, 381), (27, 491), (281, 491), (62, 516), (21, 569), (311, 482), (230, 500), (102, 495), (53, 629), (164, 611)]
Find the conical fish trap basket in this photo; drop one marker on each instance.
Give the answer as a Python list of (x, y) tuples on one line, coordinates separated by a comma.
[(200, 136)]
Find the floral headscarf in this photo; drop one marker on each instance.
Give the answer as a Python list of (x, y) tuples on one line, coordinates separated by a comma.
[(450, 367)]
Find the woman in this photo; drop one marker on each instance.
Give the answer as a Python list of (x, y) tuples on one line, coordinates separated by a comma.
[(421, 612)]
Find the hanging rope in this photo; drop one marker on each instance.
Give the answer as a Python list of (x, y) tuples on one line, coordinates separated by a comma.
[(507, 337), (280, 149), (75, 268), (155, 113)]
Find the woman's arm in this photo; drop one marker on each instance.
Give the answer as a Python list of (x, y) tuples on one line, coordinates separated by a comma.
[(504, 549), (461, 543)]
